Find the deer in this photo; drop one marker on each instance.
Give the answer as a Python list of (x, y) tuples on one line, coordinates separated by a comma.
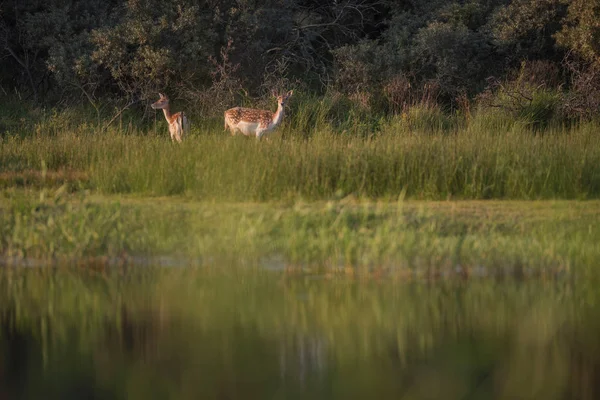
[(253, 122), (178, 122)]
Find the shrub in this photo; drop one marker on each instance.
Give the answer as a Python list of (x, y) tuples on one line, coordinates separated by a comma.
[(429, 119), (582, 101), (527, 98)]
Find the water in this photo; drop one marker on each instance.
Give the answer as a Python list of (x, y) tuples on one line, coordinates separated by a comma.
[(237, 334)]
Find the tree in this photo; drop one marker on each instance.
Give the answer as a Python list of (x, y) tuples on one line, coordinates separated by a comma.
[(17, 44), (153, 44), (451, 54), (53, 37), (524, 29), (444, 41), (581, 32)]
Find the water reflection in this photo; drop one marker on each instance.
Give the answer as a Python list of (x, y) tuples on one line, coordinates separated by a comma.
[(189, 335), (17, 349), (303, 358)]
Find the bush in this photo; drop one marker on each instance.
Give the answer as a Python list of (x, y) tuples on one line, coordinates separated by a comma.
[(429, 119), (527, 98), (453, 55), (582, 101)]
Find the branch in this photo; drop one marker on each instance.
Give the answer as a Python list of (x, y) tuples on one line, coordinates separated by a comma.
[(15, 56), (25, 66), (132, 102)]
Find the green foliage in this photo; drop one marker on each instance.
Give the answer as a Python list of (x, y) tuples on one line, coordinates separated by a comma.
[(133, 48), (537, 109), (152, 42), (524, 29), (359, 67), (582, 100), (428, 120), (581, 32), (530, 98), (540, 112), (54, 37), (217, 54), (58, 227), (63, 229), (451, 54)]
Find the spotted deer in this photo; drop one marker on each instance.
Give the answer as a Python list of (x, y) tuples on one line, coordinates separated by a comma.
[(178, 122), (253, 122)]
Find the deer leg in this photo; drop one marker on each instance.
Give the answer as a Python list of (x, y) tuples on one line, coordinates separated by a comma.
[(261, 132)]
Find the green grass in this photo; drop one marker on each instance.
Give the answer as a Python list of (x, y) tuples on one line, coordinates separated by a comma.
[(326, 149), (408, 239), (235, 198), (211, 165)]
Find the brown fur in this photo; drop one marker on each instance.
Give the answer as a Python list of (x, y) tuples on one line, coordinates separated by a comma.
[(237, 114), (178, 123), (265, 121)]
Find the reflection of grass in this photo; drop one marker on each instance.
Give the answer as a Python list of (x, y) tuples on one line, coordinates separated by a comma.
[(205, 333), (422, 237)]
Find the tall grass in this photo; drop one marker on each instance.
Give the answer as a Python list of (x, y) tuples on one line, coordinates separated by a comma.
[(209, 165), (325, 150), (399, 238)]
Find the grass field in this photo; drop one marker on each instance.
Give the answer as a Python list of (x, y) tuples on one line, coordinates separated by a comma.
[(319, 193), (345, 258), (312, 157), (404, 237)]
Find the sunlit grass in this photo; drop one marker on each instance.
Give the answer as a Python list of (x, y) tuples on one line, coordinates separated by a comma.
[(323, 151), (422, 238)]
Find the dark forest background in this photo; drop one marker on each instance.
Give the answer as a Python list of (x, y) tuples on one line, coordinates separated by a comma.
[(384, 55)]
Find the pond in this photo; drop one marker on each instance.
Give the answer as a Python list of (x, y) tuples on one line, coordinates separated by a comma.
[(235, 333)]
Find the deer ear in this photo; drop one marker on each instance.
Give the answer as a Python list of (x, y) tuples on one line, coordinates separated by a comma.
[(290, 93), (161, 95), (274, 93)]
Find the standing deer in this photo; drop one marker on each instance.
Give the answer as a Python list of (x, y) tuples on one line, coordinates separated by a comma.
[(253, 122), (178, 122)]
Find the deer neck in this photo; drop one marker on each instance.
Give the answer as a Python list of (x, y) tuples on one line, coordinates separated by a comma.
[(167, 113), (278, 116)]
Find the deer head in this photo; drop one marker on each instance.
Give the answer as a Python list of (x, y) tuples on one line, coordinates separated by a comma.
[(282, 98), (162, 103)]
